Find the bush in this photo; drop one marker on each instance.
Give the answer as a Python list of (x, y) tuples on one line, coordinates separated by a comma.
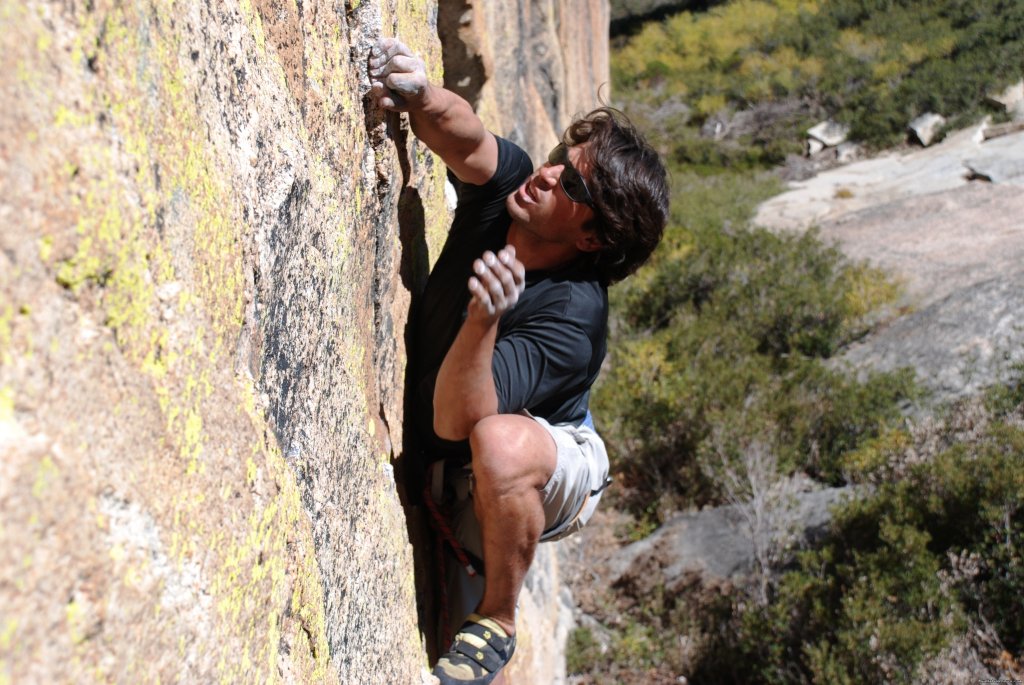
[(872, 64), (930, 556), (723, 333), (934, 548), (931, 553)]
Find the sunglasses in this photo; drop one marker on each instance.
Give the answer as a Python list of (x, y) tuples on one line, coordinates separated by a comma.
[(571, 181)]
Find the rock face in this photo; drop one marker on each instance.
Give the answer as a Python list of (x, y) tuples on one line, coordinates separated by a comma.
[(204, 275), (829, 133), (925, 127), (1012, 100), (546, 613), (527, 66), (211, 239), (714, 544), (955, 244)]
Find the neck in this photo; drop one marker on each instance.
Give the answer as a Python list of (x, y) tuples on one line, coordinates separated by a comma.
[(538, 254)]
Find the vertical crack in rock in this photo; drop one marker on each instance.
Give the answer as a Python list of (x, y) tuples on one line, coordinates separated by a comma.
[(380, 292), (248, 346), (465, 70), (303, 102), (544, 58), (283, 335)]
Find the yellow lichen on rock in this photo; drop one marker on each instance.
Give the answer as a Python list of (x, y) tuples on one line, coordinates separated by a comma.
[(216, 239), (192, 282)]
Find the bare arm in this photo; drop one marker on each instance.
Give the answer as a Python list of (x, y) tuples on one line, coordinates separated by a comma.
[(465, 393), (440, 118)]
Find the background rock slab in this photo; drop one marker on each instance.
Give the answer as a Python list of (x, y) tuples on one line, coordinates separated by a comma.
[(955, 244), (714, 543)]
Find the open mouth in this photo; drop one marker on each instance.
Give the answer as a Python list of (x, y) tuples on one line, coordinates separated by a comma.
[(525, 196)]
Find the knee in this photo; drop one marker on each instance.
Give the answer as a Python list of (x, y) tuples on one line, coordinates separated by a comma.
[(495, 443), (498, 449), (503, 453)]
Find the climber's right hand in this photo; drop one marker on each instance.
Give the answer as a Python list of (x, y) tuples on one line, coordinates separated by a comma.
[(440, 119), (498, 282), (398, 78)]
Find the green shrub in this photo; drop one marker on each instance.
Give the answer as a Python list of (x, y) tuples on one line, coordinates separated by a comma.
[(929, 553), (873, 64), (634, 650), (721, 336), (913, 565), (932, 550)]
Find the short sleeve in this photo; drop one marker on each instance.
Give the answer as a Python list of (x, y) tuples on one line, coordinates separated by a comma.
[(539, 360), (480, 204)]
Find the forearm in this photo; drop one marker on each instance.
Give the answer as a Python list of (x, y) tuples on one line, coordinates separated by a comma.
[(440, 118), (448, 125), (464, 392)]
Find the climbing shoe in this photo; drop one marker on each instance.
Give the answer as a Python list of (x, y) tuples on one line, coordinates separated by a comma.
[(480, 649)]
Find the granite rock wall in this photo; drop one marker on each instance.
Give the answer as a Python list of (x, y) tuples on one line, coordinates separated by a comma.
[(527, 66), (204, 274), (210, 240)]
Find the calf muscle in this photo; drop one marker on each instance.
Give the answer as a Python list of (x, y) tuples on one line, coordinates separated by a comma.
[(513, 459)]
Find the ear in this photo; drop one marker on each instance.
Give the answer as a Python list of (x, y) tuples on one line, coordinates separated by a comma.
[(588, 242)]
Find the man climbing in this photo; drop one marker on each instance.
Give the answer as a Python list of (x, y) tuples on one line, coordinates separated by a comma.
[(509, 334)]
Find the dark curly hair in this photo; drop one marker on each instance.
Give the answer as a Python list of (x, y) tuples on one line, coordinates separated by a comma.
[(629, 186)]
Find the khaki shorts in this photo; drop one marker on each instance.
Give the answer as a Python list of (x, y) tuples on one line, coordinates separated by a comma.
[(570, 496)]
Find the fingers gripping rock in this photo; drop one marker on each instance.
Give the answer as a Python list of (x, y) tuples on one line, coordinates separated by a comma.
[(398, 78)]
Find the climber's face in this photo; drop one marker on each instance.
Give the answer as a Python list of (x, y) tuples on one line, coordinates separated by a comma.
[(553, 205)]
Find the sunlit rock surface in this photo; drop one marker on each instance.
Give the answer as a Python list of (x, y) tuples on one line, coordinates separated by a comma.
[(210, 242), (947, 223), (204, 274), (527, 67)]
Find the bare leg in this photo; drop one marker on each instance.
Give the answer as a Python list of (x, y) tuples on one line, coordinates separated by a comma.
[(513, 459)]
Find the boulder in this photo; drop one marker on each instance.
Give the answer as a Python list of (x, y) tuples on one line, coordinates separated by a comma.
[(1011, 100), (1004, 129), (829, 133), (926, 127), (848, 152), (1000, 160), (714, 543)]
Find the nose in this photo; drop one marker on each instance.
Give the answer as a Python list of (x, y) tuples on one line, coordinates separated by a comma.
[(550, 174)]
